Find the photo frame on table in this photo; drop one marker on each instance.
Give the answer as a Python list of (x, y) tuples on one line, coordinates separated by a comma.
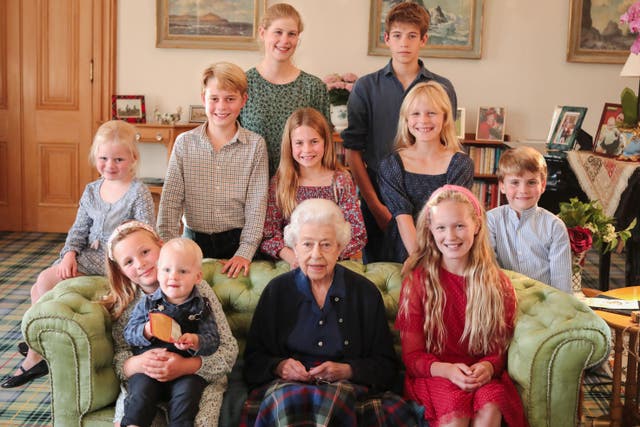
[(491, 124), (129, 108), (566, 129), (460, 122), (597, 42), (229, 24), (197, 114), (554, 121), (456, 34), (609, 140)]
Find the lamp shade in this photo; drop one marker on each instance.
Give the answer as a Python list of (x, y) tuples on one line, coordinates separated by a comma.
[(632, 66)]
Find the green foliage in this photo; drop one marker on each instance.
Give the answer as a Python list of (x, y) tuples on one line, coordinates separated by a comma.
[(590, 215), (629, 102), (338, 96)]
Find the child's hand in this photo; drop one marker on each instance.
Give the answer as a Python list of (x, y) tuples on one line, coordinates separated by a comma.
[(188, 341), (68, 267), (147, 331), (482, 372), (462, 376), (235, 265), (288, 255)]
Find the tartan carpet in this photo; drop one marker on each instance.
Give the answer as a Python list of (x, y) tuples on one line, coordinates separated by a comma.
[(24, 255)]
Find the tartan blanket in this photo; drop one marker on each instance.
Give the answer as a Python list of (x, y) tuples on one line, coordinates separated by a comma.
[(601, 178), (341, 403)]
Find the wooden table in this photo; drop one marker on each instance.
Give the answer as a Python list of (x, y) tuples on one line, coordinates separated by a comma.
[(628, 414)]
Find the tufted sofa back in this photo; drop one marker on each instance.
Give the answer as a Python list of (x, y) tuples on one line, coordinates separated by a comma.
[(240, 296)]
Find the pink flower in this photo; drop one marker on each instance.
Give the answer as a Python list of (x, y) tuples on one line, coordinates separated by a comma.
[(349, 77), (632, 18), (331, 78)]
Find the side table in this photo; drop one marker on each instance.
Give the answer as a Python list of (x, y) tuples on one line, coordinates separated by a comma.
[(621, 325)]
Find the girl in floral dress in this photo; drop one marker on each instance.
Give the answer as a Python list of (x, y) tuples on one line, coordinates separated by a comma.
[(308, 169), (456, 318)]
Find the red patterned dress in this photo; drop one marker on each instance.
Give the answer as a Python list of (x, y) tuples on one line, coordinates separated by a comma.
[(442, 399), (342, 191)]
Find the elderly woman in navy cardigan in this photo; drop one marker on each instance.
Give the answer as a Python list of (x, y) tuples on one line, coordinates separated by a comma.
[(319, 336)]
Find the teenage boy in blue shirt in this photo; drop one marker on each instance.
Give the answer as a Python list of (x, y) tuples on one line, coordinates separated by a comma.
[(373, 108)]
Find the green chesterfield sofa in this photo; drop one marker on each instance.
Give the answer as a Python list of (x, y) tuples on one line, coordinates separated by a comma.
[(556, 338)]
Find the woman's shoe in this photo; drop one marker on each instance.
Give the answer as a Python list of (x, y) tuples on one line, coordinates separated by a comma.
[(23, 348), (38, 370)]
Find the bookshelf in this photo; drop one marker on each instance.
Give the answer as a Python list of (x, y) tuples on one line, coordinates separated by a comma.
[(485, 156)]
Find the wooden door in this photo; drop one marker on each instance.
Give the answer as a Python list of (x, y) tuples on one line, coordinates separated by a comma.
[(68, 70), (10, 140), (57, 110)]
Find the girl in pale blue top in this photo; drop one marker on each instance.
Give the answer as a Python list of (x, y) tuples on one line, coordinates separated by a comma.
[(276, 86), (105, 203)]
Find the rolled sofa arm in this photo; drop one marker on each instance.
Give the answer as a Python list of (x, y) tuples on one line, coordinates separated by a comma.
[(73, 333), (555, 339)]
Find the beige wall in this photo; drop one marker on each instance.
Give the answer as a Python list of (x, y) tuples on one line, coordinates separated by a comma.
[(523, 65)]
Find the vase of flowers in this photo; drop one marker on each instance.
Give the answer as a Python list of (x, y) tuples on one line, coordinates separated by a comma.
[(339, 88), (588, 227)]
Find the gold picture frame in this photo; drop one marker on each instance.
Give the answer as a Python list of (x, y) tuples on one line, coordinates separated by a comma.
[(581, 45), (458, 35), (223, 24)]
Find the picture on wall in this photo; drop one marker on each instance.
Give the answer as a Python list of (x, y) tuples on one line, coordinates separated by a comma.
[(220, 24), (129, 108), (491, 124), (609, 139), (596, 34), (197, 114), (460, 122), (455, 30), (566, 130)]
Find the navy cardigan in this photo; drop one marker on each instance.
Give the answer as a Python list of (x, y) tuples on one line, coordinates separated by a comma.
[(370, 352)]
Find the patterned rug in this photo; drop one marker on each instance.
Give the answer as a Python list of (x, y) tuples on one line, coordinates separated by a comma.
[(24, 255)]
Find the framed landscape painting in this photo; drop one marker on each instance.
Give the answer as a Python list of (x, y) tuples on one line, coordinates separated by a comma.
[(595, 32), (220, 24), (129, 108), (455, 30)]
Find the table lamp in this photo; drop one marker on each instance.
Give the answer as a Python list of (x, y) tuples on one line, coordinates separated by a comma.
[(632, 69)]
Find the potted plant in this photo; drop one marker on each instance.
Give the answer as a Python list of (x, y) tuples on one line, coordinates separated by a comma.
[(589, 226), (339, 88)]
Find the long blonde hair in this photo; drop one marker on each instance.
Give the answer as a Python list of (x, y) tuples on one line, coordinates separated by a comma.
[(435, 93), (485, 324), (121, 291), (287, 175), (281, 10)]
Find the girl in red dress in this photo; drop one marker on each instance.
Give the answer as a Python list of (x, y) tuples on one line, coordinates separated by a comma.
[(456, 318)]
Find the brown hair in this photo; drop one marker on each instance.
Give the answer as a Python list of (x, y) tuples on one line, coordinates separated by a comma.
[(516, 161), (281, 10), (408, 13), (229, 77), (485, 321), (439, 98), (288, 172)]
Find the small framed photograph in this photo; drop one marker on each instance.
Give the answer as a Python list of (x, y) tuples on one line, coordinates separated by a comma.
[(609, 139), (197, 114), (460, 120), (564, 135), (554, 121), (129, 108), (491, 124)]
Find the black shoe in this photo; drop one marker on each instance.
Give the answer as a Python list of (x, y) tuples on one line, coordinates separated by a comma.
[(23, 348), (38, 370)]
